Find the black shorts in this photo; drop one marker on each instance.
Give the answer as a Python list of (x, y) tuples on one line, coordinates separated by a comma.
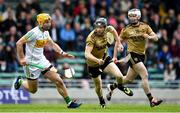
[(135, 58), (46, 70), (96, 71)]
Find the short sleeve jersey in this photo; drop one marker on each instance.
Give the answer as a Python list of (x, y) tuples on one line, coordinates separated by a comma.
[(133, 35), (99, 44), (36, 40)]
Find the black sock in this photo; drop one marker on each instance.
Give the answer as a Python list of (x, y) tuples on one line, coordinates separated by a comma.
[(113, 86), (149, 96), (120, 86), (101, 99)]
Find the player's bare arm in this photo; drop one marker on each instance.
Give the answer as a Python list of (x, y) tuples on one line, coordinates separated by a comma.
[(89, 56), (120, 37), (118, 46), (151, 36), (52, 44), (20, 53), (125, 59)]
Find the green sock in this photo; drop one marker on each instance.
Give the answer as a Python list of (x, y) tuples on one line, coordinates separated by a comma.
[(20, 81), (101, 98), (67, 99)]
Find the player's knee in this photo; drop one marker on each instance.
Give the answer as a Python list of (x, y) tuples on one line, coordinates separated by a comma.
[(144, 77)]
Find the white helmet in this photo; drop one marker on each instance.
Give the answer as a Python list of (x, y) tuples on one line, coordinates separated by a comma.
[(100, 22), (134, 13)]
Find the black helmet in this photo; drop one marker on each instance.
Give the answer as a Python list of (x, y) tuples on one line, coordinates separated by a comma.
[(100, 22)]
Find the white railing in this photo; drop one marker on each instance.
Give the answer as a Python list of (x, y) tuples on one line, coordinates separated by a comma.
[(88, 83)]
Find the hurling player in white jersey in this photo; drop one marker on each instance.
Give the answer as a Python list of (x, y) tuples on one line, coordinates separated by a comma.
[(35, 41)]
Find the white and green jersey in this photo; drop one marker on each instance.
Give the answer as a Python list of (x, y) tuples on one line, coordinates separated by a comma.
[(36, 40)]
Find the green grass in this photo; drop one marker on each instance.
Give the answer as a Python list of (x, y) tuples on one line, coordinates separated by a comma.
[(91, 108)]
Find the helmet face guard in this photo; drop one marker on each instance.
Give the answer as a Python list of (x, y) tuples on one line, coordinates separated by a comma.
[(42, 18), (134, 16)]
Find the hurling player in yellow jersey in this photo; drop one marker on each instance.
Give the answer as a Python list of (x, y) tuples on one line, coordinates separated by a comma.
[(136, 34), (35, 41), (98, 60)]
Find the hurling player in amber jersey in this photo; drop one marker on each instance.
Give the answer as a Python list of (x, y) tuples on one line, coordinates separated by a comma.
[(35, 40), (98, 60), (136, 35)]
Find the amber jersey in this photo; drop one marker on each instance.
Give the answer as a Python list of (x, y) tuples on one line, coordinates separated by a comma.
[(99, 44), (133, 34)]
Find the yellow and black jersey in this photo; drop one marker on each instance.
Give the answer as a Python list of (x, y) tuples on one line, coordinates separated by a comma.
[(133, 34), (99, 44)]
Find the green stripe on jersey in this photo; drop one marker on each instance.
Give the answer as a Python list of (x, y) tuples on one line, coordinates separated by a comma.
[(29, 35)]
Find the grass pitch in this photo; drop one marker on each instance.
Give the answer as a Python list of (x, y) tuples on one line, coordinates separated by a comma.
[(89, 108)]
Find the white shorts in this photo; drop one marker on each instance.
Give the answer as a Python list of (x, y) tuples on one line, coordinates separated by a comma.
[(32, 72)]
